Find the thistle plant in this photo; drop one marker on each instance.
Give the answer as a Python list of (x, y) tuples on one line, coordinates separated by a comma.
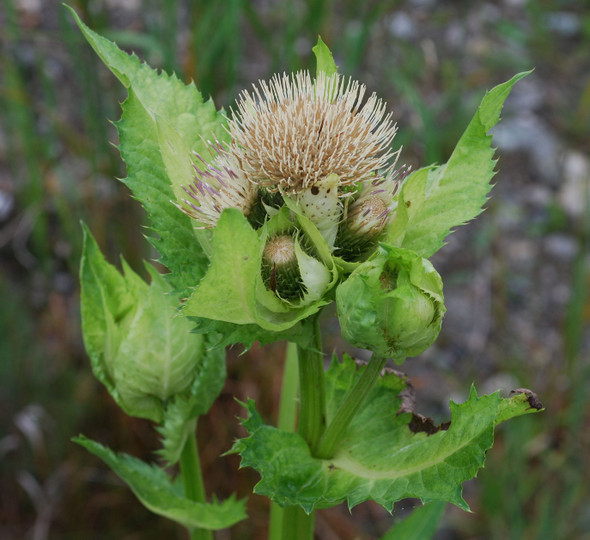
[(263, 216)]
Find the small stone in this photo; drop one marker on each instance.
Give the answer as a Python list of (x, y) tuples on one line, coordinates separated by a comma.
[(402, 26), (529, 134), (574, 195), (561, 246)]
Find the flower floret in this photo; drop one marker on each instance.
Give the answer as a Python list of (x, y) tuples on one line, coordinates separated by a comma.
[(218, 185)]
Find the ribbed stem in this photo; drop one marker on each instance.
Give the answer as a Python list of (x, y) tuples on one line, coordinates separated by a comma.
[(287, 420), (312, 391), (328, 443), (297, 525)]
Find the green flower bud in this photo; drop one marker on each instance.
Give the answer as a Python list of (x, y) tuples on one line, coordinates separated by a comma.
[(158, 357), (392, 304), (141, 350), (280, 270), (291, 273), (366, 219)]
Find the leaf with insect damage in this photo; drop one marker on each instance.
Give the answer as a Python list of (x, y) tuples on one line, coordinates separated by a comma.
[(386, 454)]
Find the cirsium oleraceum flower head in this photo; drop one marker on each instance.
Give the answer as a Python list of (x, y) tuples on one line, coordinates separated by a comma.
[(294, 130), (317, 141)]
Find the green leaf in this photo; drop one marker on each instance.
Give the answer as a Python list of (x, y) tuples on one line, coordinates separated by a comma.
[(433, 200), (380, 458), (325, 61), (107, 305), (163, 121), (148, 180), (153, 487), (420, 525), (223, 333), (176, 157), (165, 96)]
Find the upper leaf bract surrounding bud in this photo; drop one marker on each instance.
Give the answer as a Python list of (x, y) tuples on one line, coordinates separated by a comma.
[(140, 350), (392, 304)]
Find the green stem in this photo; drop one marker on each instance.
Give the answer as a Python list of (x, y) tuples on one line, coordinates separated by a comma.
[(287, 419), (312, 391), (327, 444), (297, 525), (194, 489)]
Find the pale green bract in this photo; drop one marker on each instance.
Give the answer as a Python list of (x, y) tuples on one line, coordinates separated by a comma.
[(382, 456), (138, 351), (392, 304), (143, 351)]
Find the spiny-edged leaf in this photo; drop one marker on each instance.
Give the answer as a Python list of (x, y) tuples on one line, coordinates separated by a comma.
[(380, 457), (180, 413), (166, 96), (161, 106), (420, 525), (148, 180), (155, 490), (436, 199), (324, 58), (223, 333), (176, 157), (231, 289)]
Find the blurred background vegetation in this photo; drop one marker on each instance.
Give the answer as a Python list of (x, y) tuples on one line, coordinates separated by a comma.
[(517, 280)]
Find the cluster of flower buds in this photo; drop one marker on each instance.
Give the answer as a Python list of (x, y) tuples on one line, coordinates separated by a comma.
[(312, 150)]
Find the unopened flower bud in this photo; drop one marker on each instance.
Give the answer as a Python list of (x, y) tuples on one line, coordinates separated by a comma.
[(392, 304), (290, 272), (366, 220), (280, 270), (140, 349)]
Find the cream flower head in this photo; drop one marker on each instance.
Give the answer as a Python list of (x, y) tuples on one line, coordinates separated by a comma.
[(290, 137), (293, 131)]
